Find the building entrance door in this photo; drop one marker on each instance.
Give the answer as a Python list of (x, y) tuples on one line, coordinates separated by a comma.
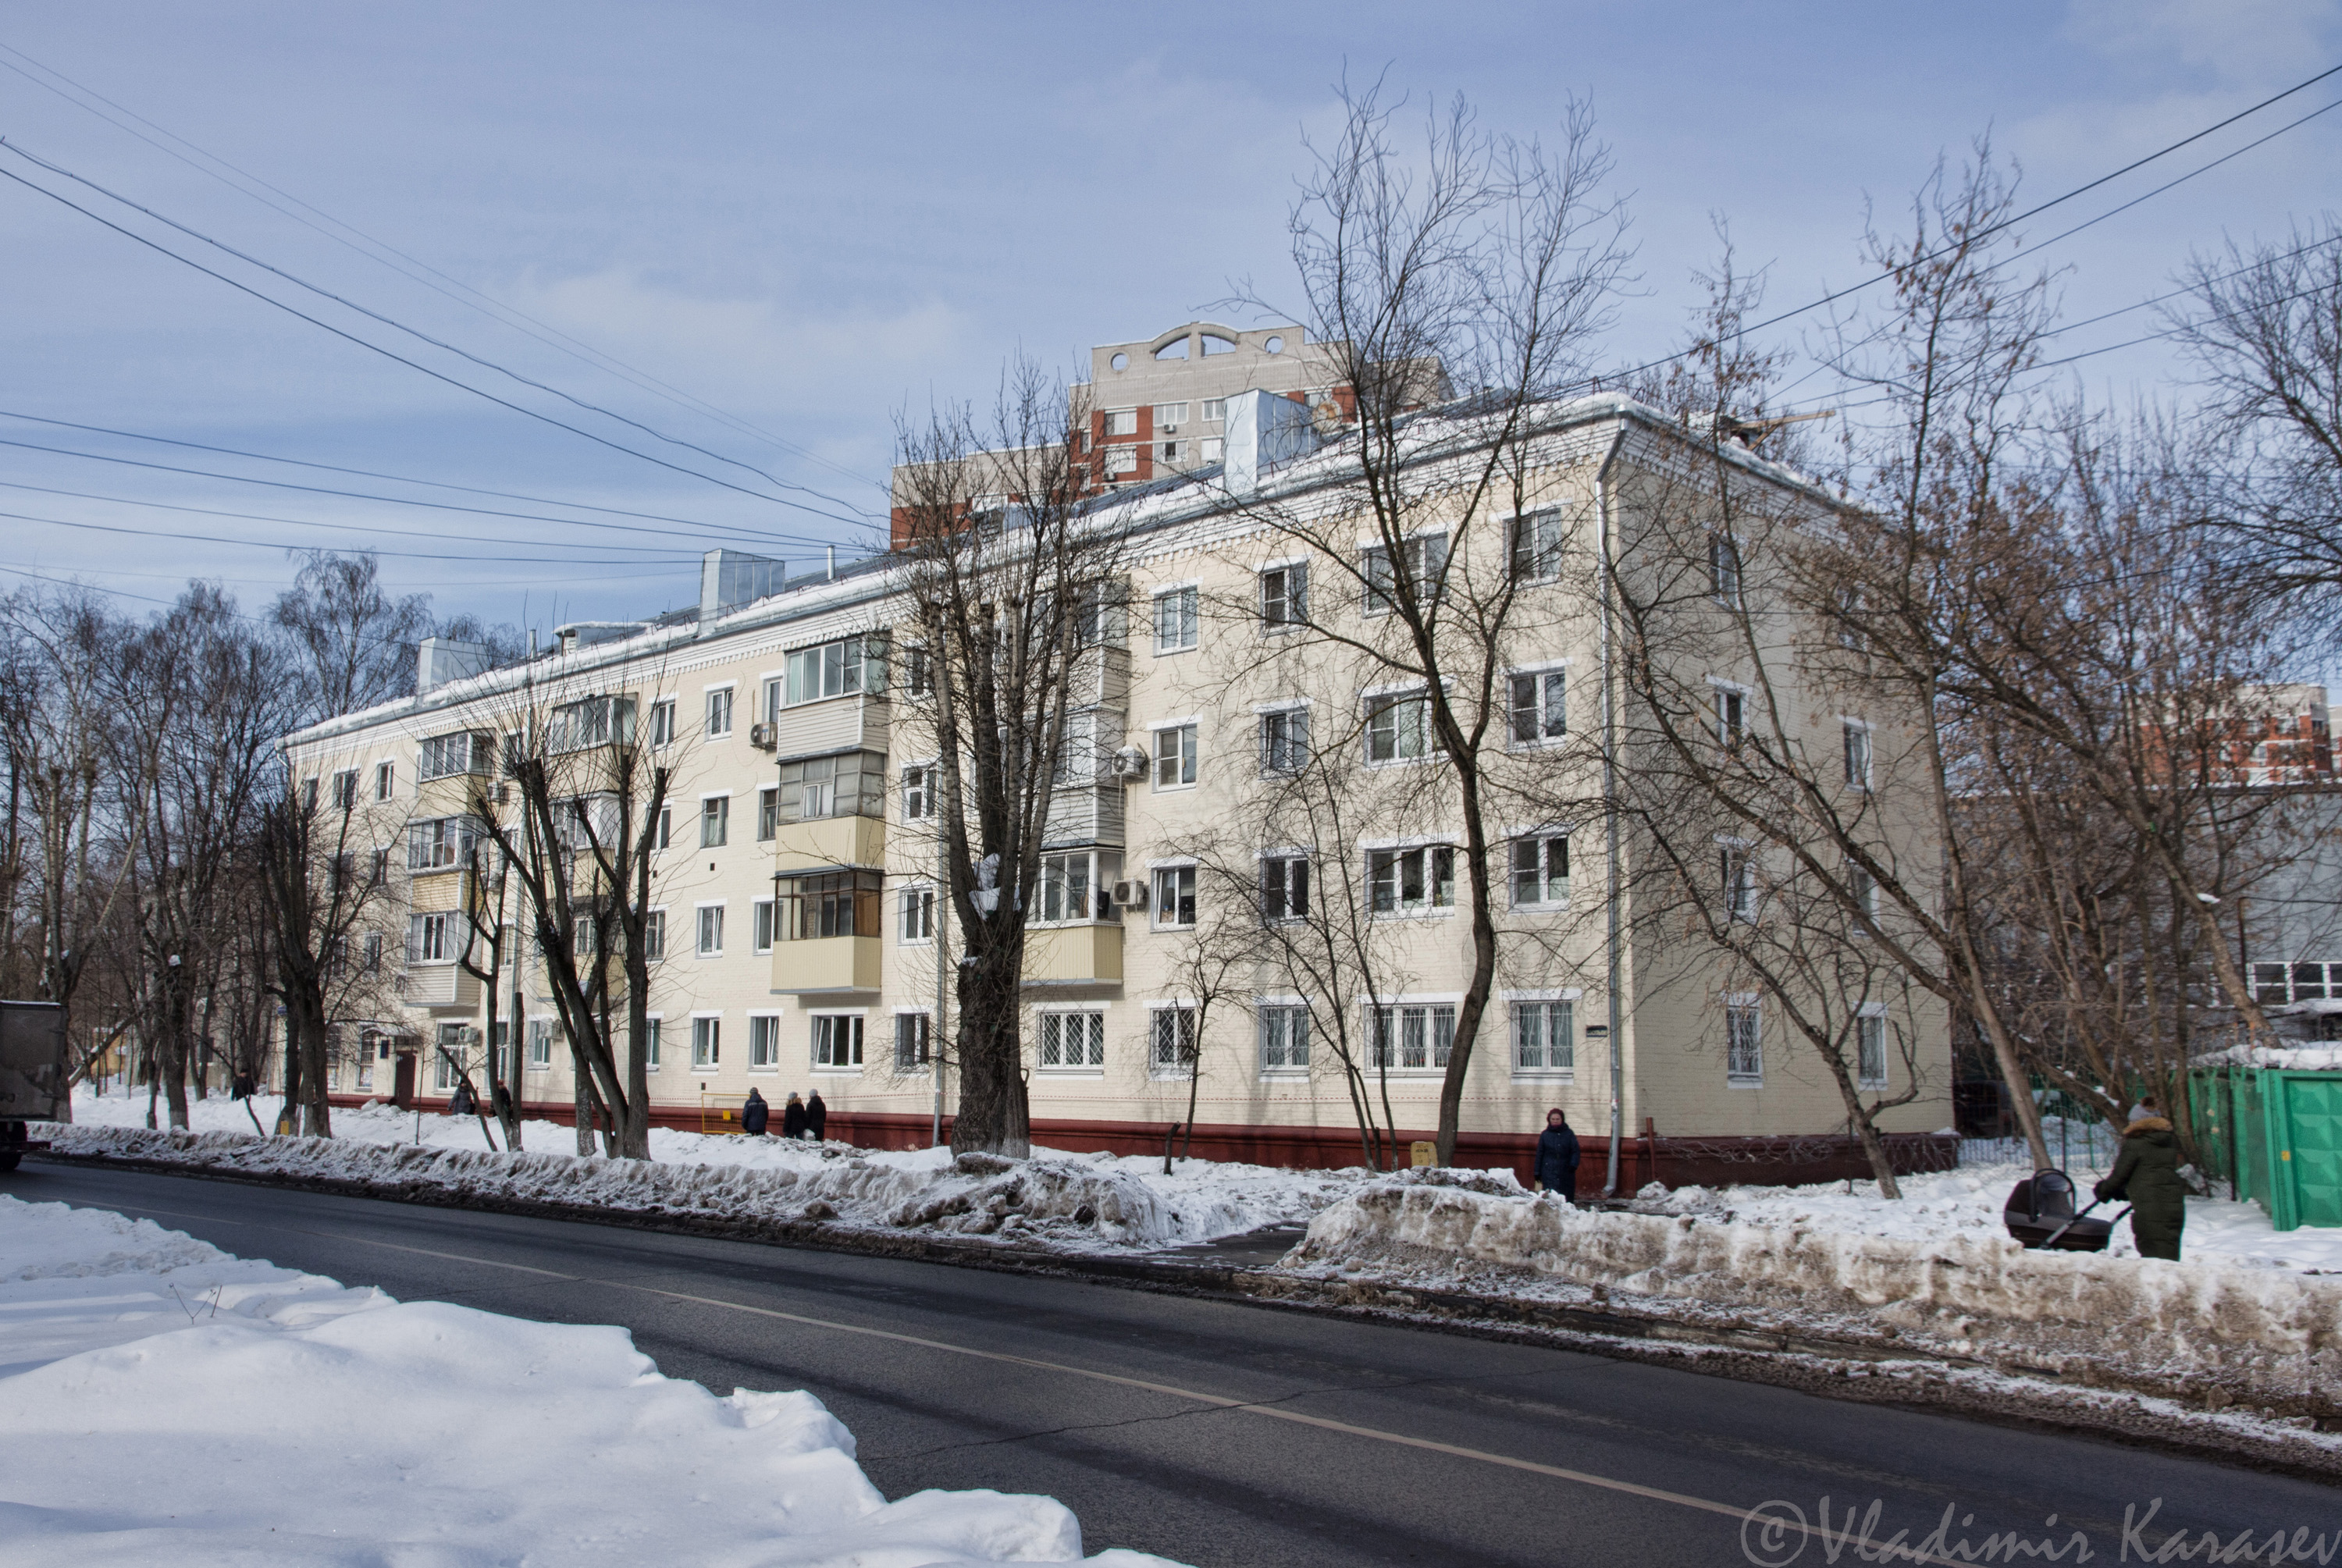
[(402, 1094)]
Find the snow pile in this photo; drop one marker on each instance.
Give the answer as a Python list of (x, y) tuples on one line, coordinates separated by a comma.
[(164, 1401), (2298, 1057), (2258, 1332)]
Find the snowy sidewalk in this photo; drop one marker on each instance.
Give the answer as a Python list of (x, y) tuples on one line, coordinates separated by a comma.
[(162, 1401)]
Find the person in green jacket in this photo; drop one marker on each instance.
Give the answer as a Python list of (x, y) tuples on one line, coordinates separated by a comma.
[(2147, 1173)]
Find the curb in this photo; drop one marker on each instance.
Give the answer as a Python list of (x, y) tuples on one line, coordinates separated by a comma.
[(1862, 1368)]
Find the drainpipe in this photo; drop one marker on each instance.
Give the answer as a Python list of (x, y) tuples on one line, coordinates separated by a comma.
[(943, 916), (1611, 873)]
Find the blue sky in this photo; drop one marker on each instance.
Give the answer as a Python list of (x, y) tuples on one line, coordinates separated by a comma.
[(810, 218)]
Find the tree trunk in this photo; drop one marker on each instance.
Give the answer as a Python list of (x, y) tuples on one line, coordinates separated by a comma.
[(994, 1115)]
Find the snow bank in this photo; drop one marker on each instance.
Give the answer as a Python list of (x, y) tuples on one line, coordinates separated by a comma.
[(2256, 1332), (2299, 1057), (161, 1401)]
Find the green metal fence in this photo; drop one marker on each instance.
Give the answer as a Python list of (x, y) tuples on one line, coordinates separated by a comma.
[(2277, 1134)]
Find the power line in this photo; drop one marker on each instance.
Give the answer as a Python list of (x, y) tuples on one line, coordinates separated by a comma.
[(457, 290), (396, 554)]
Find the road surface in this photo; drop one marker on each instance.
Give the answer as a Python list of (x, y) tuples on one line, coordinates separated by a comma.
[(1224, 1433)]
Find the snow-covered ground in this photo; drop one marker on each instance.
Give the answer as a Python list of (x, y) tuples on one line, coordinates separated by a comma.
[(163, 1401)]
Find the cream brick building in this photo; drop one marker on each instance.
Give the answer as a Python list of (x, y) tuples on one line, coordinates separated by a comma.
[(800, 929)]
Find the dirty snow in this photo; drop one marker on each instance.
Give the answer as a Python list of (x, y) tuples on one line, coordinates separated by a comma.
[(161, 1401)]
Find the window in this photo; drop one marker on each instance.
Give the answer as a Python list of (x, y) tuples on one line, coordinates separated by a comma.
[(917, 923), (1078, 763), (1744, 1044), (1171, 1037), (663, 722), (1858, 754), (763, 1042), (1073, 1039), (431, 939), (1413, 1037), (838, 1040), (2309, 982), (1171, 450), (1121, 460), (1848, 619), (714, 821), (1078, 885), (346, 790), (829, 903), (655, 935), (1283, 1039), (1174, 756), (1169, 417), (1539, 712), (1871, 1050), (707, 1042), (915, 1035), (1865, 888), (918, 672), (500, 1036), (840, 669), (385, 780), (1737, 880), (1724, 570), (2268, 982), (309, 794), (651, 1044), (374, 952), (665, 827), (918, 793), (1121, 421), (443, 1059), (1175, 896), (1398, 728), (1404, 881), (445, 756), (719, 714), (1731, 716), (1215, 449), (1545, 1037), (1422, 566), (588, 821), (770, 708), (1536, 550), (1283, 888), (761, 918), (540, 1044), (852, 784), (1284, 597), (1174, 621), (1213, 408), (1283, 742), (768, 813), (592, 722), (711, 931), (1541, 871)]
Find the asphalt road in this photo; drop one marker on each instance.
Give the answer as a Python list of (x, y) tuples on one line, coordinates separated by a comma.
[(1223, 1434)]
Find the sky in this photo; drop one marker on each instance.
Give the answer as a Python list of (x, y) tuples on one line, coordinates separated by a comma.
[(767, 231)]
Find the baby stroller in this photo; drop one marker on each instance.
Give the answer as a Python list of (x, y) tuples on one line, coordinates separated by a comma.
[(2040, 1213)]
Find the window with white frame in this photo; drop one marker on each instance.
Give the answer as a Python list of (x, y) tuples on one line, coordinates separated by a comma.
[(849, 783), (1737, 878), (651, 1044), (1283, 742), (385, 780), (719, 713), (914, 1040), (663, 722), (1411, 1036), (763, 1042), (655, 935), (1539, 710), (346, 790), (1169, 417), (438, 843), (1283, 1038), (1171, 1040), (769, 706), (714, 821), (666, 835), (1744, 1042), (1545, 1038), (1421, 565), (917, 915), (309, 794), (1176, 627), (431, 939), (1398, 727), (1541, 871), (1175, 896), (1535, 547), (1724, 570), (464, 752), (1858, 754), (1870, 1048), (1283, 887), (761, 918), (1174, 756), (1848, 621), (374, 952), (1731, 715), (445, 1056), (1213, 408), (1284, 597), (844, 668), (919, 671), (589, 721), (1076, 885), (707, 1043), (1121, 460), (711, 931), (1078, 763), (1120, 421), (838, 1040), (918, 793), (540, 1044), (1864, 889), (1214, 448), (1413, 879), (1072, 1040)]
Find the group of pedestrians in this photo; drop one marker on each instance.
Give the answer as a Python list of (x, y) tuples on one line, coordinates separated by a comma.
[(799, 1118)]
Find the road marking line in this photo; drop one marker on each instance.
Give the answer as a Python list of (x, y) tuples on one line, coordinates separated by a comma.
[(338, 1237)]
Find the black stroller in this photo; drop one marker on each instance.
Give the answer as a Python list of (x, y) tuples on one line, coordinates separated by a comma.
[(2040, 1213)]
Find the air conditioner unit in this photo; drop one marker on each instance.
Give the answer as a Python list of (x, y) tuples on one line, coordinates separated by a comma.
[(1131, 895), (1130, 765), (765, 737)]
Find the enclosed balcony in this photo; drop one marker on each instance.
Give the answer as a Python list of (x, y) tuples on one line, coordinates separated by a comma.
[(1073, 954), (827, 936), (440, 987)]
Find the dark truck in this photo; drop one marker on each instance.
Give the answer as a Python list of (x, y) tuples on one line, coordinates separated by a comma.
[(32, 1074)]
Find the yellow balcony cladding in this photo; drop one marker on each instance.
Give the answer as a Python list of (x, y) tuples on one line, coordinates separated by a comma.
[(457, 795), (827, 963), (1073, 955), (829, 840), (440, 985)]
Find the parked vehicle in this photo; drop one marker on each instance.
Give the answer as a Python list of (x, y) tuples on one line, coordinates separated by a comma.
[(32, 1074)]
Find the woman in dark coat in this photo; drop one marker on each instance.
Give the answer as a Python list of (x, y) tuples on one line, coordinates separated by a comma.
[(753, 1114), (793, 1117), (1557, 1157), (2146, 1175), (816, 1117)]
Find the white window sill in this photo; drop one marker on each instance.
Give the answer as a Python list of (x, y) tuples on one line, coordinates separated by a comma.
[(930, 942), (835, 1071), (1174, 652), (1069, 1072), (1173, 788), (760, 953), (1544, 1076), (1284, 1075), (772, 1071), (717, 953), (414, 871), (1731, 1082), (1167, 1075), (1422, 1074), (1372, 762), (1878, 1084), (1542, 743), (1445, 912), (1188, 926), (1559, 908)]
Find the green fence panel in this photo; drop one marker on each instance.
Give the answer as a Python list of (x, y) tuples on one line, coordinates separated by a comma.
[(2313, 1138), (2250, 1120)]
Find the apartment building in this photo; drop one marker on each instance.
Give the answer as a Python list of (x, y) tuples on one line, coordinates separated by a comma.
[(804, 947)]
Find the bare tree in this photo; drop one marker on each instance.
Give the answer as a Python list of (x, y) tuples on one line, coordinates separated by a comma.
[(357, 642)]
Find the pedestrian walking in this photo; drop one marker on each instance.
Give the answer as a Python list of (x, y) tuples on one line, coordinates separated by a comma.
[(793, 1117), (816, 1117), (461, 1103), (753, 1114), (2147, 1176), (1557, 1157)]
